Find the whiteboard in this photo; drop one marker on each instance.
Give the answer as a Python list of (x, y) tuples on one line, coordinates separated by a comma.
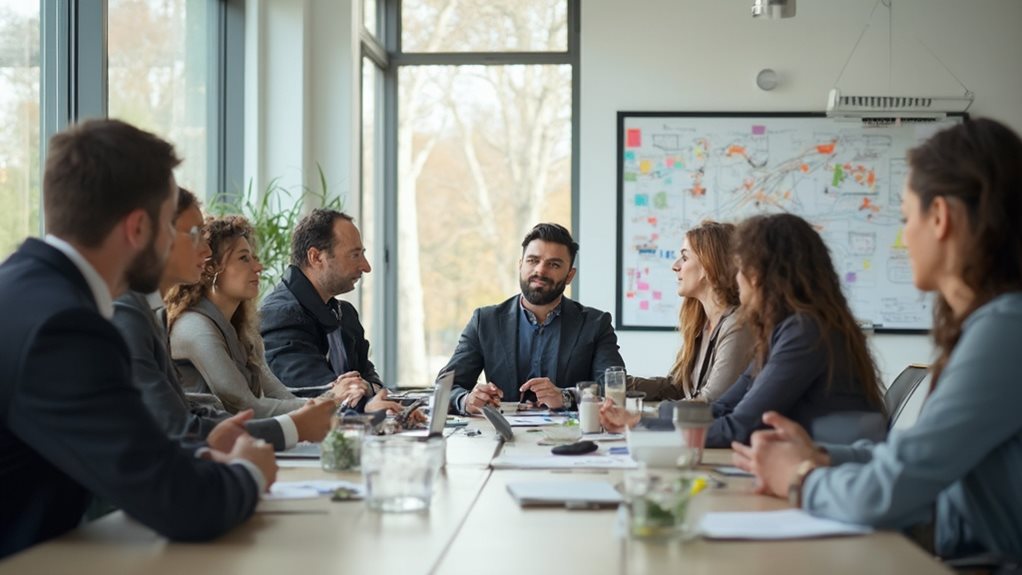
[(844, 176)]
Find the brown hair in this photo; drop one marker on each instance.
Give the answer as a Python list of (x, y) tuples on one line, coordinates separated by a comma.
[(315, 230), (790, 268), (221, 233), (711, 245), (185, 200), (99, 171), (979, 163)]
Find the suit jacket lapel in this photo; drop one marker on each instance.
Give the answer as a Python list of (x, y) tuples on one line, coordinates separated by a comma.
[(571, 328), (507, 327)]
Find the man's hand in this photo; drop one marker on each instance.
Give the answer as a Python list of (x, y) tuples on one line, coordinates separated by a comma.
[(483, 394), (349, 388), (379, 402), (259, 453), (223, 436), (546, 392), (775, 454), (615, 419), (312, 420)]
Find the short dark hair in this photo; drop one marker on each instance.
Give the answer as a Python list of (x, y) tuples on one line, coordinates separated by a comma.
[(554, 233), (99, 171), (185, 200), (315, 230)]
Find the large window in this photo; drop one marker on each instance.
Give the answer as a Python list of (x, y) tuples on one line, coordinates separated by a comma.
[(158, 54), (19, 123), (484, 152)]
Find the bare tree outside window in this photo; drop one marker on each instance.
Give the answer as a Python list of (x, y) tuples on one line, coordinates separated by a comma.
[(158, 53), (19, 123), (484, 153)]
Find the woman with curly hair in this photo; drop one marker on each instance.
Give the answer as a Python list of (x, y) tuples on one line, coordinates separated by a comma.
[(715, 345), (959, 465), (810, 358)]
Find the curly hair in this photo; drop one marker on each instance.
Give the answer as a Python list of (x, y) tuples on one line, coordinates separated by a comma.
[(979, 163), (222, 234), (711, 243), (790, 268)]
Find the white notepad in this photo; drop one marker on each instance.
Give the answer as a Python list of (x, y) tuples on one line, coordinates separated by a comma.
[(571, 494), (783, 524)]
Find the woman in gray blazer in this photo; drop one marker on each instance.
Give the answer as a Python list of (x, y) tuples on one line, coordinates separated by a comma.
[(213, 327), (716, 346)]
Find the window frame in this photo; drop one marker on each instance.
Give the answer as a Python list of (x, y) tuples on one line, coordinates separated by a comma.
[(390, 57)]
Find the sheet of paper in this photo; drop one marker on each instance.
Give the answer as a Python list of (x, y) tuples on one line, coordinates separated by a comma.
[(310, 489), (307, 463), (603, 436), (563, 462), (783, 524), (533, 420)]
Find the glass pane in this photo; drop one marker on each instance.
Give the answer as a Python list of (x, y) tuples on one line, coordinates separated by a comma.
[(484, 26), (484, 153), (366, 221), (19, 123), (369, 17), (158, 52)]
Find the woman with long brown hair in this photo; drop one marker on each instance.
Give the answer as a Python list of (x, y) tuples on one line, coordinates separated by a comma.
[(962, 209), (716, 347), (810, 356)]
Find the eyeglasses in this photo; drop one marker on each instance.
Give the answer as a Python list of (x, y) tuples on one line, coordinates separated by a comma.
[(195, 234)]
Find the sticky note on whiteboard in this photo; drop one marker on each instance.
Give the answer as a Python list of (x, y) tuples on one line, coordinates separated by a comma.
[(644, 305)]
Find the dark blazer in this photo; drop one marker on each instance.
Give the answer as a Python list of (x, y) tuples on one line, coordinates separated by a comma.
[(489, 343), (71, 423), (154, 375), (294, 323), (793, 382)]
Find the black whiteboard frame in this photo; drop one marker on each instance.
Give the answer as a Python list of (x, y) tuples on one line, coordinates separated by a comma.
[(619, 267)]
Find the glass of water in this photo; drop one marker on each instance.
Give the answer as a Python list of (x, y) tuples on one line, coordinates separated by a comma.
[(399, 471), (614, 385)]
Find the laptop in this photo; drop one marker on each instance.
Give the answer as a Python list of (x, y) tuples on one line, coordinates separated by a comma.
[(440, 408)]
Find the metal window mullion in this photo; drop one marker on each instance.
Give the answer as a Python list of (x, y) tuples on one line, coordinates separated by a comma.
[(481, 58), (575, 57), (387, 202)]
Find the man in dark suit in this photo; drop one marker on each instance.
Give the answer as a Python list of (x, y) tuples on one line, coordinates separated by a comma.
[(71, 423), (313, 339), (535, 345), (141, 319)]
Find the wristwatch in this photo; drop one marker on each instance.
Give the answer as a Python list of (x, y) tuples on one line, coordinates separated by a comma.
[(569, 399), (795, 488)]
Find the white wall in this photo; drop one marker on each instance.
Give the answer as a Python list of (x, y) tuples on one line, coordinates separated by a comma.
[(703, 55)]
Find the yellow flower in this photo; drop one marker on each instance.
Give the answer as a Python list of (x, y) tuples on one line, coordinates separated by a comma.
[(697, 485)]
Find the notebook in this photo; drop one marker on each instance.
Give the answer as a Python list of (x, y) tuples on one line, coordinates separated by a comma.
[(570, 494)]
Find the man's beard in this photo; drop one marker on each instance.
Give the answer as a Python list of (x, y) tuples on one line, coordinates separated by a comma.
[(143, 275), (542, 296)]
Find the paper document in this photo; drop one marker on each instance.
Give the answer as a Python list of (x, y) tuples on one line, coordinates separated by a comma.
[(783, 524), (534, 420), (603, 436), (310, 489), (563, 462), (571, 494)]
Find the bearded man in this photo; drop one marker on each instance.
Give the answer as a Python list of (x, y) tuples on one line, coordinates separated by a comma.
[(535, 346)]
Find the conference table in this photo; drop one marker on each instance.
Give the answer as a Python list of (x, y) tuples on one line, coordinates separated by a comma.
[(473, 526)]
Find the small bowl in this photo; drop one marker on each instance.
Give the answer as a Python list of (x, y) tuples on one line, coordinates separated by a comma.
[(656, 448), (563, 433)]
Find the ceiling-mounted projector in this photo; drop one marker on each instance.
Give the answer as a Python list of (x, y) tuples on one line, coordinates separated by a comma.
[(773, 9), (863, 106)]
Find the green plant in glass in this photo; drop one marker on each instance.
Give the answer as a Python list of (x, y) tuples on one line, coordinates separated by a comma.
[(274, 213)]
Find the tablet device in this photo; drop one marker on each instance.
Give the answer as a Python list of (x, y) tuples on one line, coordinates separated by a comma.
[(499, 423)]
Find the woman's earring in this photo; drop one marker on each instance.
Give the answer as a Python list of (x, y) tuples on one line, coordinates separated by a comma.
[(215, 276)]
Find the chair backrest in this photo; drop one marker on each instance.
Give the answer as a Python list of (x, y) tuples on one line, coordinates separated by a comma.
[(901, 388)]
